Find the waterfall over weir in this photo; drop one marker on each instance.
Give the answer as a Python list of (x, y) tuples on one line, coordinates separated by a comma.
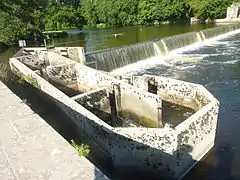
[(212, 32), (178, 41), (110, 59)]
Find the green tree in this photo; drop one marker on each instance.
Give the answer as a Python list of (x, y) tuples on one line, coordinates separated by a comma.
[(211, 9), (27, 18), (11, 28), (148, 11), (90, 12), (17, 20)]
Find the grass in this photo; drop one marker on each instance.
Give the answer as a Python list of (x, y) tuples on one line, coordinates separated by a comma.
[(83, 149)]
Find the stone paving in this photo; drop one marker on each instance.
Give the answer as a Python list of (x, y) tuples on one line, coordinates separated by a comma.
[(31, 149)]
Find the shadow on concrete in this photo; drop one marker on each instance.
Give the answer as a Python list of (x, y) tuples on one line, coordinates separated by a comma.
[(153, 166), (55, 117)]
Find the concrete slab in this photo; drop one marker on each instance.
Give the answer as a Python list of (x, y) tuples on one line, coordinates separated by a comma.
[(31, 149)]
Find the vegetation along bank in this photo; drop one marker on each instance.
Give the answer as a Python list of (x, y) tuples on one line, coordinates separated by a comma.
[(27, 19)]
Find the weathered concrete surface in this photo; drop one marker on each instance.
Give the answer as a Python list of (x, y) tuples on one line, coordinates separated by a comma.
[(74, 53), (227, 21), (169, 152), (64, 74), (31, 149), (233, 11), (171, 90)]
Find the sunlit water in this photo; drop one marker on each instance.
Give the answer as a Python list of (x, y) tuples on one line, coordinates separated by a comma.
[(216, 66)]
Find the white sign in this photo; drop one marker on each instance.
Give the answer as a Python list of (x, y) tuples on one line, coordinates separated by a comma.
[(22, 43)]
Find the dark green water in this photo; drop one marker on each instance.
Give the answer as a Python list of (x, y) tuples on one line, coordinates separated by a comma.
[(104, 38)]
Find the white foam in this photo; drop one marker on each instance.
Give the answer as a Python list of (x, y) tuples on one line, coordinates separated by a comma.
[(175, 56), (222, 36), (231, 62), (141, 65), (185, 67)]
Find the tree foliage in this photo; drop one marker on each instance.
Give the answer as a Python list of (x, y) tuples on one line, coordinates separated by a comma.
[(27, 18)]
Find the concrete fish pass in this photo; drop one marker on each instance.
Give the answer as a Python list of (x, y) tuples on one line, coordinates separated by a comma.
[(101, 103), (124, 115)]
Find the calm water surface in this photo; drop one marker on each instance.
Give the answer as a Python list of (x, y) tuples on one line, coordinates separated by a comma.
[(218, 70), (104, 38)]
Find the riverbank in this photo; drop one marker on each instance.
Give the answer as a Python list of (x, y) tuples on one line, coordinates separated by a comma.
[(54, 34), (227, 20)]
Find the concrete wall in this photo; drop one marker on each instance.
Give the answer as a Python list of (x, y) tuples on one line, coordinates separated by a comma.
[(63, 77), (167, 152), (56, 59), (129, 95), (232, 12), (98, 102), (32, 61), (63, 74), (74, 53), (171, 151), (144, 107), (171, 90), (87, 122), (98, 99)]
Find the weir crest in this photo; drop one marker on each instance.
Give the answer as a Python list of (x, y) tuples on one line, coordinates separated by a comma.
[(114, 58)]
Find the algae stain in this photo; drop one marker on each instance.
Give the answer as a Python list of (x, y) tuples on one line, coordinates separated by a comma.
[(141, 120)]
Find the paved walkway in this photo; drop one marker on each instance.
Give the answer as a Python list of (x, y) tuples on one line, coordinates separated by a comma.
[(31, 149)]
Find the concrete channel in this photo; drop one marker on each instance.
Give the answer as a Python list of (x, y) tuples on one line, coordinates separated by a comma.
[(99, 99), (31, 149)]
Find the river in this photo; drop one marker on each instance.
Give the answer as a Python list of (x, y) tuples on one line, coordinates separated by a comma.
[(216, 66)]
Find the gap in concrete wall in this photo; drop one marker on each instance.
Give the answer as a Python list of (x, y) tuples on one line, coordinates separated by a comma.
[(175, 114), (172, 113), (102, 103)]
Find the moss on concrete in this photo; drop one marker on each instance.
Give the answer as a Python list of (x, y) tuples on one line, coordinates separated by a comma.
[(141, 120), (32, 81)]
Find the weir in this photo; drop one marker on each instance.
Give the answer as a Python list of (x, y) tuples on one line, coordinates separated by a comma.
[(178, 41), (111, 59), (162, 47), (213, 32)]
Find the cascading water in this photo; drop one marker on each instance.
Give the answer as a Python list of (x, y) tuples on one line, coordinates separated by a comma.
[(178, 41), (162, 46), (202, 36), (212, 32), (157, 49), (110, 59)]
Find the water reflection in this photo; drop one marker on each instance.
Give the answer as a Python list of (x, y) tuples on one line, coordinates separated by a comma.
[(104, 38)]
